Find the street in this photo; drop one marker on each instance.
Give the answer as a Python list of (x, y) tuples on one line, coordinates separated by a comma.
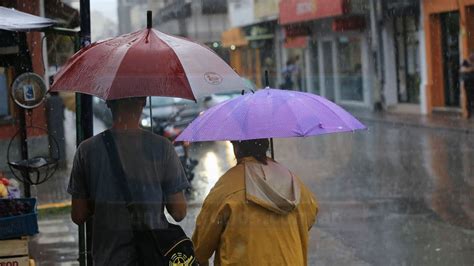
[(391, 195)]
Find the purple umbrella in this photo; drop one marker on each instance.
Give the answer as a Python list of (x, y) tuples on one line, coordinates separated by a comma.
[(270, 113)]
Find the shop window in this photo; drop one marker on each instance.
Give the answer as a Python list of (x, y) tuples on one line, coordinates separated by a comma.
[(450, 29), (350, 69), (210, 7), (315, 68), (328, 71)]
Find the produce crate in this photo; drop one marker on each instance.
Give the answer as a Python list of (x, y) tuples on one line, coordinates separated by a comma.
[(15, 261), (19, 225), (14, 247)]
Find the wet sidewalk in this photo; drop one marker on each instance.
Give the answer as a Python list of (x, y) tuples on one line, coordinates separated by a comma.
[(434, 121)]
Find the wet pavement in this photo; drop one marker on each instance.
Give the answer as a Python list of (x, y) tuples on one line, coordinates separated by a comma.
[(392, 195)]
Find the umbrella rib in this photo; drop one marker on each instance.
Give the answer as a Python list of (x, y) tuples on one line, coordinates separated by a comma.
[(332, 111)]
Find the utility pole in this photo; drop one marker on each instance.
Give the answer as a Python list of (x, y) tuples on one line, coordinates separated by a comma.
[(376, 23), (181, 16), (84, 130)]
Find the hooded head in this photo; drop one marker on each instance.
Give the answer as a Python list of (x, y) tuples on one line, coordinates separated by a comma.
[(267, 183), (256, 148)]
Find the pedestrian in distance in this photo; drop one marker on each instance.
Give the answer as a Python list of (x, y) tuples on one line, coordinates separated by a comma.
[(154, 175), (467, 76), (258, 213), (288, 75), (298, 73)]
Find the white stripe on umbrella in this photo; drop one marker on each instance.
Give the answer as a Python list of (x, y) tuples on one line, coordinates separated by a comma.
[(203, 81)]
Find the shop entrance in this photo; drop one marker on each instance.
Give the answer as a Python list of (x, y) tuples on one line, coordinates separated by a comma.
[(328, 69), (450, 46), (349, 60), (406, 56)]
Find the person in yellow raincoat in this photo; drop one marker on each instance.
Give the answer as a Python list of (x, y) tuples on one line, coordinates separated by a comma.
[(258, 213)]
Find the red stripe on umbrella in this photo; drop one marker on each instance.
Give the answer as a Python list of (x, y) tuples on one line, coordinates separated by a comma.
[(152, 65)]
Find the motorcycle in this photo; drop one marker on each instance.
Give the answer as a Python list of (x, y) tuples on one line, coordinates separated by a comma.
[(169, 130)]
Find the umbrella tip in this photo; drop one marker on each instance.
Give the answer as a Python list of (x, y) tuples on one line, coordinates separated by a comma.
[(148, 19)]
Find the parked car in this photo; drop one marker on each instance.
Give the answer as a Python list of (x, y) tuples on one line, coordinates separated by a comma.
[(101, 111)]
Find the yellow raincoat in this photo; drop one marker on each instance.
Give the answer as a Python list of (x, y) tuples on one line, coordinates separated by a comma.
[(256, 215)]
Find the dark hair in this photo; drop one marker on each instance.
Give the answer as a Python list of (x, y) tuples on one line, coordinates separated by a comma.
[(256, 148), (115, 105)]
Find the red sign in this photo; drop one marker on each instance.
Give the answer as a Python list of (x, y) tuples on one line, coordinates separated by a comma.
[(295, 31), (347, 24), (294, 11), (296, 42)]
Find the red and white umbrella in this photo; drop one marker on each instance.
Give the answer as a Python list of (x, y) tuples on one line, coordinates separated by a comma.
[(147, 63)]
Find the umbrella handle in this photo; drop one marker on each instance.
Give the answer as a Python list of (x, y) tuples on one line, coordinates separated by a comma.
[(267, 81), (272, 150), (149, 19)]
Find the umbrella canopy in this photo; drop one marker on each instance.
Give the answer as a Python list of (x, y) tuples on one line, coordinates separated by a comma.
[(14, 20), (147, 63), (270, 113)]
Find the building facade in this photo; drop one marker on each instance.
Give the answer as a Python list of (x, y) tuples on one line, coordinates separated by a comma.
[(252, 40), (448, 34), (331, 40)]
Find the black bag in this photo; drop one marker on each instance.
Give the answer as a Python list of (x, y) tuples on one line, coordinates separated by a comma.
[(168, 246)]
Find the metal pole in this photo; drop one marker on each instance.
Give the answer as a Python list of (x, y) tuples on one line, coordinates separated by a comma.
[(267, 83), (149, 24), (376, 10), (84, 129), (25, 66), (151, 116)]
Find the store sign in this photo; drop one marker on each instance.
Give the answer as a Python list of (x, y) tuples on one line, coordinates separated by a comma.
[(348, 24), (300, 30), (266, 9), (241, 12), (233, 36), (294, 11), (296, 42)]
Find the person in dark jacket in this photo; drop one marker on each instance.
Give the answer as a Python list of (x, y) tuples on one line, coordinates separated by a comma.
[(467, 76)]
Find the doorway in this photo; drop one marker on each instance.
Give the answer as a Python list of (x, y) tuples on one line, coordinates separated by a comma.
[(406, 56), (328, 70), (450, 46)]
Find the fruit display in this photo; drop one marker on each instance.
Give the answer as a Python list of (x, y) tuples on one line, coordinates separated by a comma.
[(9, 188), (12, 207), (3, 191)]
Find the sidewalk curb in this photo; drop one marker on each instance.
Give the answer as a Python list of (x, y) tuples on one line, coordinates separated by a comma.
[(56, 205), (417, 125)]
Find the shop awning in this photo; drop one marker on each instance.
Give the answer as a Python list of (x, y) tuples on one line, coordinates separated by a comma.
[(14, 20), (296, 11), (234, 36)]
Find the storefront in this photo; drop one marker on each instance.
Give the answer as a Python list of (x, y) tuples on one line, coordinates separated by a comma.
[(402, 33), (447, 25), (251, 41), (336, 55)]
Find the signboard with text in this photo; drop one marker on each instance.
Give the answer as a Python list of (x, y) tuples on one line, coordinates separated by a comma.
[(265, 9), (295, 11)]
